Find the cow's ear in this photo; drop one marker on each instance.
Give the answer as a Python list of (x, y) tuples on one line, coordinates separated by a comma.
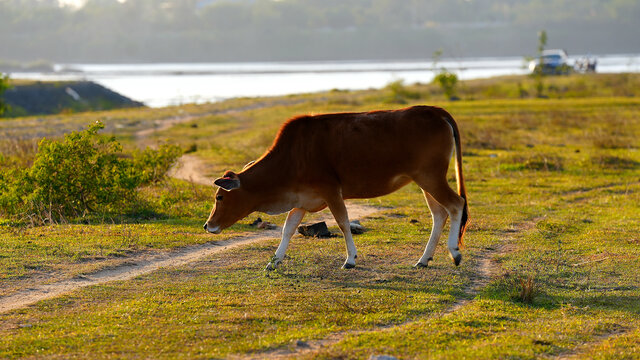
[(229, 181), (227, 184)]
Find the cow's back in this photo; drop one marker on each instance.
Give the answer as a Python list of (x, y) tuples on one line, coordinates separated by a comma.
[(367, 154)]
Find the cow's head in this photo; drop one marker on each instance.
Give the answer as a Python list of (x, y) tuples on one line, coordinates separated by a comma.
[(232, 203)]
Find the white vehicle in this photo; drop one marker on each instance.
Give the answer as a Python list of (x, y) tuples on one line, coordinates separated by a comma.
[(554, 62)]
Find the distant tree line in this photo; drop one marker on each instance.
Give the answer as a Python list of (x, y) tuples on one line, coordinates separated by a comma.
[(237, 30)]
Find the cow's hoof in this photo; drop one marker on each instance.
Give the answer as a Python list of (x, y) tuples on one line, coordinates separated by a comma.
[(348, 266), (457, 259), (270, 267), (420, 265)]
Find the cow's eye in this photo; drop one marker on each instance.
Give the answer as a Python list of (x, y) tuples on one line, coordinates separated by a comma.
[(219, 197)]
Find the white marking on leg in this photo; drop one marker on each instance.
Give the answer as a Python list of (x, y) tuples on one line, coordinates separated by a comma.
[(439, 216), (290, 225), (339, 211), (455, 214)]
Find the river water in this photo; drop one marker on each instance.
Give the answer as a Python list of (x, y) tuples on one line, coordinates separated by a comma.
[(160, 85)]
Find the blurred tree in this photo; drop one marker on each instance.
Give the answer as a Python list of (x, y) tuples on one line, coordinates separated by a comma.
[(200, 30), (4, 85), (538, 72)]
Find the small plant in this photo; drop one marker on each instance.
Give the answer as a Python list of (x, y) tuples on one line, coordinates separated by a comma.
[(446, 79), (447, 82), (128, 240), (528, 289), (538, 72), (520, 284)]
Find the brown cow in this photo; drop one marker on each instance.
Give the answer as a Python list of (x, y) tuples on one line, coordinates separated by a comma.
[(319, 160)]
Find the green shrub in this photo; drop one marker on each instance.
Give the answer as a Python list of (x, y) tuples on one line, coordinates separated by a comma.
[(447, 82), (398, 93), (81, 174), (153, 165)]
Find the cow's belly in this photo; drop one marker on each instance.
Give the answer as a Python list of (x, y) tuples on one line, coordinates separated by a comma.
[(301, 200), (365, 188)]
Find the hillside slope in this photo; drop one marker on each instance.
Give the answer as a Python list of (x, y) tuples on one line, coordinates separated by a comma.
[(39, 98)]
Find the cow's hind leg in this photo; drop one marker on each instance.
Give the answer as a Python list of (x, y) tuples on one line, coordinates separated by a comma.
[(439, 215), (339, 211), (290, 225), (454, 205)]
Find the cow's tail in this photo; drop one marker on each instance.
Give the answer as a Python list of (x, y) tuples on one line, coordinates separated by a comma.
[(462, 191)]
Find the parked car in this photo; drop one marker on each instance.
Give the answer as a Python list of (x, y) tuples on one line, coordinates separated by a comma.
[(554, 62)]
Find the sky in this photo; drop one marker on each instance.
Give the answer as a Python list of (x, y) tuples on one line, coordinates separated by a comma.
[(76, 3)]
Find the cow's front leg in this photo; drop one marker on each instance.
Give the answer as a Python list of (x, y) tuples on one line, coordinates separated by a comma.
[(290, 225), (339, 211)]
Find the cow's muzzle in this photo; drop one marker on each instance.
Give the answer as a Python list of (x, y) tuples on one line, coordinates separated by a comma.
[(213, 230)]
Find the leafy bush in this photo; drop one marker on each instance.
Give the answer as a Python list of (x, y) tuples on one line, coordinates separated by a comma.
[(447, 82), (81, 174), (153, 165), (398, 93)]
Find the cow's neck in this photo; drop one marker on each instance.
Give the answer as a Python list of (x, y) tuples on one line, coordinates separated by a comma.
[(269, 180), (269, 174)]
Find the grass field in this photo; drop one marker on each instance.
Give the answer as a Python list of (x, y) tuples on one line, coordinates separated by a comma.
[(550, 266)]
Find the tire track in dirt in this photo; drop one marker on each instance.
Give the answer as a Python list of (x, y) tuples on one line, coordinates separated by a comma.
[(486, 271), (136, 266), (146, 263)]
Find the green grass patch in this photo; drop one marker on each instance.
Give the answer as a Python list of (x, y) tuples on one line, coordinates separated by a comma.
[(554, 200)]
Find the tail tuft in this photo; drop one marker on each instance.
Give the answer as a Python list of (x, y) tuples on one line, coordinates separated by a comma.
[(463, 224)]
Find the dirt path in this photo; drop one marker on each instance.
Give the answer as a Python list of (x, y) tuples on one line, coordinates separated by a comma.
[(158, 125), (146, 263), (190, 168)]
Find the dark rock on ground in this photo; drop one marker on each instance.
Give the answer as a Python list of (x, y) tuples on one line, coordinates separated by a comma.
[(315, 230), (320, 229), (356, 227), (263, 224)]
